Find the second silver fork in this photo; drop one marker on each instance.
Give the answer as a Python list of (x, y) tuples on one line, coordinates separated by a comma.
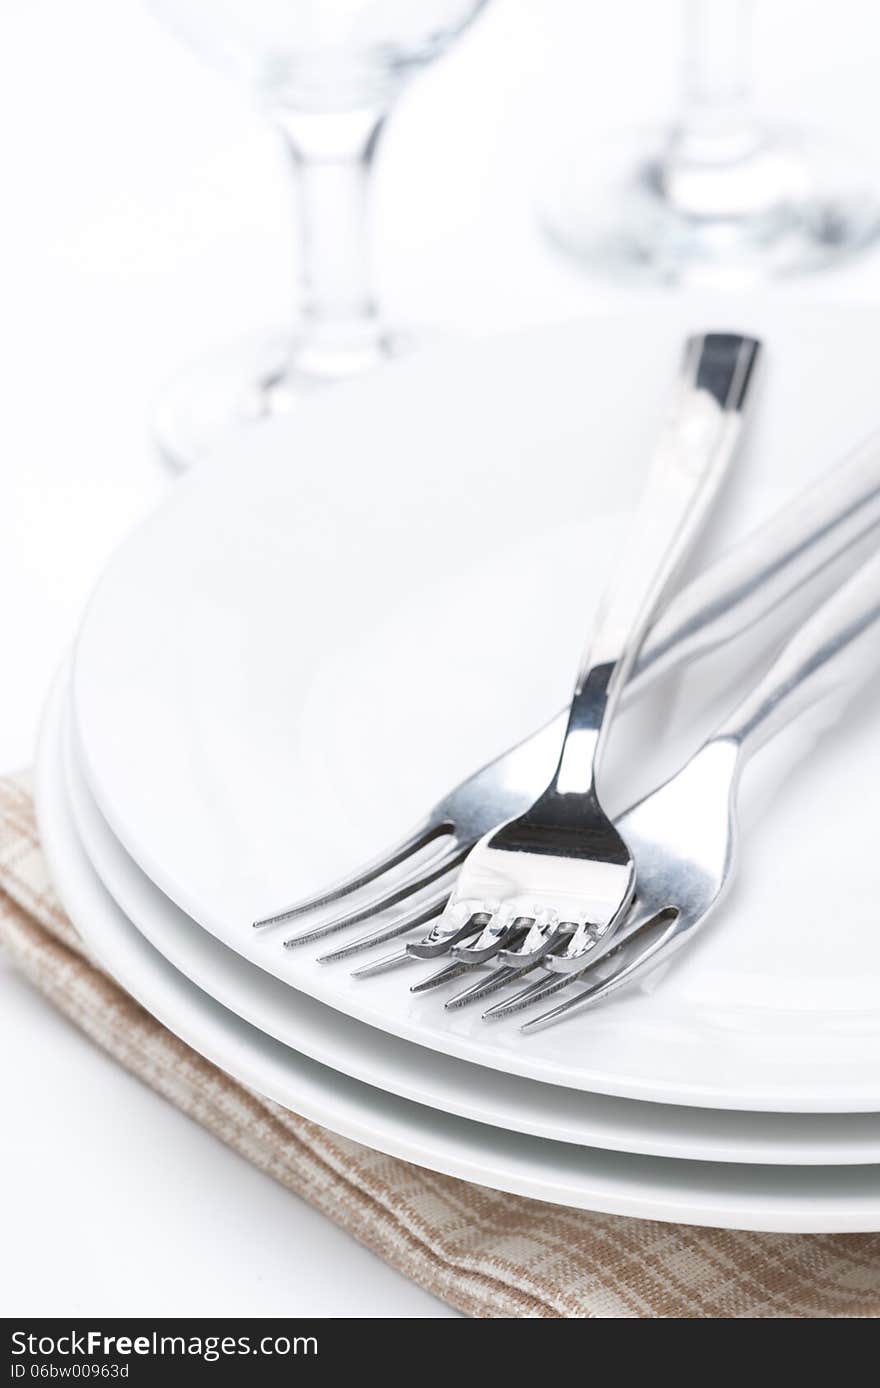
[(684, 833)]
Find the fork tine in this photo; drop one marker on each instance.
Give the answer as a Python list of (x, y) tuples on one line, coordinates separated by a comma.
[(533, 992), (450, 860), (498, 978), (410, 921), (466, 962), (418, 839), (407, 955), (383, 965), (545, 933), (634, 923), (594, 948), (444, 975), (632, 965), (491, 941), (429, 948)]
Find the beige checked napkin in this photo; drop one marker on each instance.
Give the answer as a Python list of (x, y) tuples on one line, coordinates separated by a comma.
[(486, 1254)]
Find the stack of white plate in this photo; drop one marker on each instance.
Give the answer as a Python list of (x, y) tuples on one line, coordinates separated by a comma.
[(341, 617)]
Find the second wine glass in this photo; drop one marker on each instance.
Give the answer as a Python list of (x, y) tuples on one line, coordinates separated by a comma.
[(724, 198), (328, 72)]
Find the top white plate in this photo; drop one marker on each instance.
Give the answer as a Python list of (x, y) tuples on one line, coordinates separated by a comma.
[(333, 623)]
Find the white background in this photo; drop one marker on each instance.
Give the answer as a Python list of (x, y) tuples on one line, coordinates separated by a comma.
[(146, 218)]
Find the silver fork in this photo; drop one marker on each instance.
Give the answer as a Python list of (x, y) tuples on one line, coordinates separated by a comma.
[(696, 447), (822, 526), (562, 865), (684, 834)]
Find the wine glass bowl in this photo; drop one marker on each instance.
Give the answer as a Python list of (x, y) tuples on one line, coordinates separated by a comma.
[(318, 55)]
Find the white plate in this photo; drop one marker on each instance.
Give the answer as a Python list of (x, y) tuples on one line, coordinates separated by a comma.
[(325, 629), (772, 1198), (505, 1101)]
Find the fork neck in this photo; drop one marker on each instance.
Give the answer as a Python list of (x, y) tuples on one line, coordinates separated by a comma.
[(584, 739)]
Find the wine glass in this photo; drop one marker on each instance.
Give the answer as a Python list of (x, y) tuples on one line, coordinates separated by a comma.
[(327, 72), (725, 199)]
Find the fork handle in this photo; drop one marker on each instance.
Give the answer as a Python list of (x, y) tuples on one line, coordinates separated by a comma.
[(825, 662), (695, 448), (756, 575)]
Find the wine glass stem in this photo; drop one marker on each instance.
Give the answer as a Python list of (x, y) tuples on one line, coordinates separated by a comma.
[(717, 124), (332, 157)]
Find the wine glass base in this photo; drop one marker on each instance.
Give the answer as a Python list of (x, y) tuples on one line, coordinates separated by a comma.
[(799, 205), (238, 387)]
